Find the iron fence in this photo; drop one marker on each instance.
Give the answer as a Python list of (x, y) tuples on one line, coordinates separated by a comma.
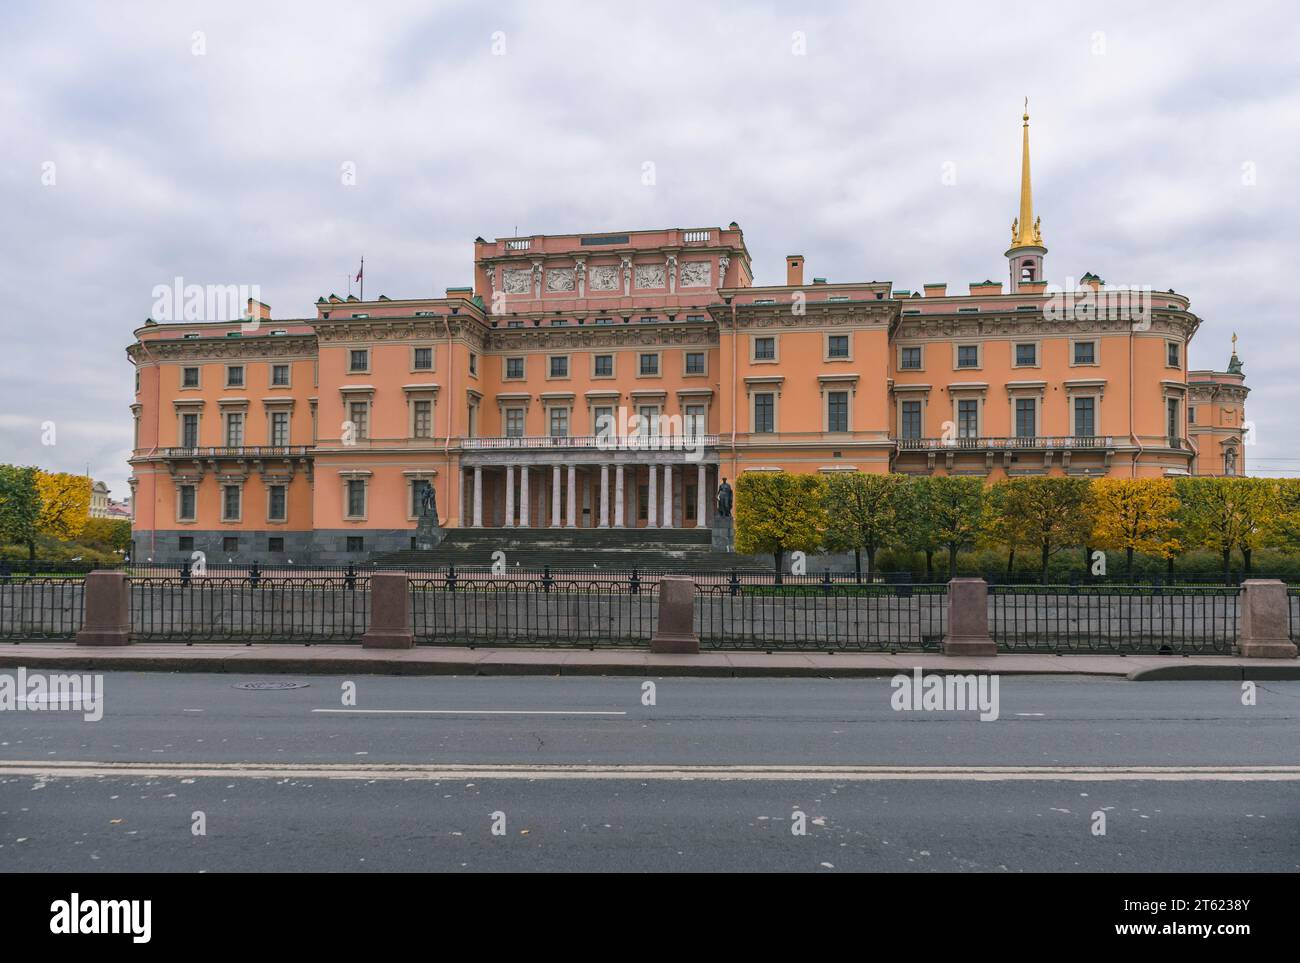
[(534, 611), (41, 608), (264, 609), (1293, 611), (1113, 618), (822, 617)]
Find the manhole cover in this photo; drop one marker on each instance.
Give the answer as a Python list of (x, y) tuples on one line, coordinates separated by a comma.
[(271, 685)]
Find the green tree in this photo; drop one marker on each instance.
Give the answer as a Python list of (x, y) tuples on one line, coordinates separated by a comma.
[(864, 513), (1283, 531), (779, 512), (950, 509), (109, 534), (1045, 513), (20, 506), (1227, 514)]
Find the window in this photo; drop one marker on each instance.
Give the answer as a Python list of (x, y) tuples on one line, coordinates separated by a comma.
[(359, 415), (514, 368), (837, 411), (189, 377), (189, 431), (276, 504), (1172, 354), (765, 349), (234, 430), (837, 346), (695, 362), (694, 423), (422, 419), (1085, 352), (275, 543), (1172, 409), (909, 359), (422, 359), (230, 543), (764, 412), (1085, 417), (185, 543), (968, 356), (558, 322), (514, 324), (234, 376), (603, 420), (604, 321), (231, 503), (279, 428), (560, 367), (358, 360), (649, 319), (1191, 414), (356, 543), (356, 498), (1026, 355), (911, 419), (1026, 422), (514, 422), (185, 509), (649, 364), (473, 363), (559, 422), (968, 418), (604, 366), (279, 375), (649, 415)]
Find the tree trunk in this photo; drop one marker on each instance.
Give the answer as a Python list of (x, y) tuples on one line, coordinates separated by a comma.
[(1011, 562), (1128, 569), (1169, 569), (777, 557), (871, 564), (1227, 563), (1245, 559), (1042, 571), (857, 565), (929, 563), (952, 561)]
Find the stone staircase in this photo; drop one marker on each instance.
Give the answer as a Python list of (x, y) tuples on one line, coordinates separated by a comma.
[(586, 549)]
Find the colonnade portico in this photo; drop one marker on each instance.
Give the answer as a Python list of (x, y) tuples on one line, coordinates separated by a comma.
[(660, 491)]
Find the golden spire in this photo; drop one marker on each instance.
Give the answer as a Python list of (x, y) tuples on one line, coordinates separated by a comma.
[(1025, 229)]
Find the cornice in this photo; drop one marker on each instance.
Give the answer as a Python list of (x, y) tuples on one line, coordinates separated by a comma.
[(815, 314), (1021, 324), (601, 336), (374, 330), (223, 349)]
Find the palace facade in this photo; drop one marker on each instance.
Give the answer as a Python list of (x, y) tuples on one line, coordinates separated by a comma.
[(315, 438)]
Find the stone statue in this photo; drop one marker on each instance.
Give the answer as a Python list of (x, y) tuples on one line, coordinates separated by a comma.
[(724, 500), (429, 502)]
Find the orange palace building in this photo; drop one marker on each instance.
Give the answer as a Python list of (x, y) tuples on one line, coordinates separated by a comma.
[(314, 439)]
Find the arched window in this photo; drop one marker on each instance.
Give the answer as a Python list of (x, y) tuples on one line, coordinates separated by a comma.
[(1027, 270)]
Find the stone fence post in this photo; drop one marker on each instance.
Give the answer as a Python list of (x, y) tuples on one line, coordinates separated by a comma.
[(675, 632), (107, 599), (968, 618), (1265, 620), (390, 613)]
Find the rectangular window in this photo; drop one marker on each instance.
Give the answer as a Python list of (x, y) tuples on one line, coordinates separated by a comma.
[(277, 505), (1085, 417), (189, 431), (968, 356), (837, 411), (359, 415), (514, 367), (765, 412), (694, 423), (837, 346), (356, 543), (280, 428), (422, 419), (279, 375), (275, 543), (649, 364), (358, 360), (1085, 352), (186, 507), (1172, 354), (603, 420), (694, 362), (234, 376), (422, 359), (649, 415), (356, 498), (604, 366), (230, 503), (559, 422), (185, 543), (1026, 423), (473, 363), (234, 430), (230, 543), (968, 418), (189, 377), (514, 422), (1026, 355), (764, 349), (1174, 432), (559, 367), (911, 419), (909, 359)]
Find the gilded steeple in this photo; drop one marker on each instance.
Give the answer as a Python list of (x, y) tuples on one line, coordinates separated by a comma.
[(1025, 230)]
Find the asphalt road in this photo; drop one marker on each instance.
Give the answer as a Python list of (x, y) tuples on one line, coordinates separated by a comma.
[(578, 774)]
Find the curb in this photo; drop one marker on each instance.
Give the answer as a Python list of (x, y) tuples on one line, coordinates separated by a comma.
[(1217, 673)]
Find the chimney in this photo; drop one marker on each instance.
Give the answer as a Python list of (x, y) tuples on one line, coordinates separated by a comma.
[(794, 270), (259, 311)]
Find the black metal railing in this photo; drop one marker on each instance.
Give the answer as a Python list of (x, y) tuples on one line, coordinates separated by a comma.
[(262, 609), (41, 608), (1113, 618), (823, 616), (551, 611), (1293, 611)]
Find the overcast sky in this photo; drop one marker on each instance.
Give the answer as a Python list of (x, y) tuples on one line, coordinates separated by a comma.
[(207, 141)]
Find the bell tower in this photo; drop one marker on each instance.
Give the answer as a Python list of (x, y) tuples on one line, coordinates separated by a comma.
[(1025, 256)]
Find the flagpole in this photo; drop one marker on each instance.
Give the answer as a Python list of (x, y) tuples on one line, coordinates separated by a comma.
[(362, 272)]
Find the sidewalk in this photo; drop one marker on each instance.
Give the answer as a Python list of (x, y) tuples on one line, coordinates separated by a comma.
[(450, 660)]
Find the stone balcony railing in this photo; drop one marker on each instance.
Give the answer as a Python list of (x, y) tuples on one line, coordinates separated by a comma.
[(986, 443), (238, 451), (599, 442)]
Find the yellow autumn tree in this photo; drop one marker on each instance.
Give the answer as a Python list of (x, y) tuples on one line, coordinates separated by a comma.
[(1135, 515), (65, 504), (779, 512)]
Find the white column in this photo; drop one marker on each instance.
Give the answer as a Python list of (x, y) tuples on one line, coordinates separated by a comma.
[(555, 496), (604, 496), (652, 510), (524, 518), (573, 496), (478, 496), (668, 497), (510, 496), (618, 496), (700, 501)]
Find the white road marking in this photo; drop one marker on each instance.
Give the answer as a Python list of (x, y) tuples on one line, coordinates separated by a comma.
[(1031, 713), (634, 772), (477, 712)]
